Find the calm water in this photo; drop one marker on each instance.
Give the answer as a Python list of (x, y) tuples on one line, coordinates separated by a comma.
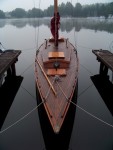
[(81, 131)]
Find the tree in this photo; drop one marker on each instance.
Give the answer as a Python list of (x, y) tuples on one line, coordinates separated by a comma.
[(18, 13), (78, 10), (62, 9), (98, 9), (69, 9), (2, 14), (35, 12), (109, 9), (50, 11)]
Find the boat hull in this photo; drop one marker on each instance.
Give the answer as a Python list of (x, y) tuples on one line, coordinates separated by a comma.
[(56, 86)]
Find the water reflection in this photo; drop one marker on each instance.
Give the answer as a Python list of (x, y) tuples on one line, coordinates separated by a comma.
[(8, 92), (67, 24), (105, 89), (2, 23), (57, 141)]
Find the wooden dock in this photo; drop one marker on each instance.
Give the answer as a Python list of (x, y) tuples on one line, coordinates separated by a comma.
[(8, 59), (105, 58)]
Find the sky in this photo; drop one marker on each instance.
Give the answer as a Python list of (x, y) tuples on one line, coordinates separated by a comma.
[(9, 5)]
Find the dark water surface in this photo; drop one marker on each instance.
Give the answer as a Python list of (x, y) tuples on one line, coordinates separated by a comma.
[(95, 94)]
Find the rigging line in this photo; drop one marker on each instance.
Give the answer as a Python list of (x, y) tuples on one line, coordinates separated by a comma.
[(37, 44), (62, 91), (27, 68), (108, 124), (76, 41), (49, 91), (39, 3), (2, 46), (29, 49), (28, 92), (84, 46), (35, 24), (15, 123), (92, 115), (74, 25), (87, 69), (85, 90), (21, 118), (111, 46)]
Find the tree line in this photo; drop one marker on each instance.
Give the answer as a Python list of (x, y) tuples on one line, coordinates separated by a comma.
[(65, 10)]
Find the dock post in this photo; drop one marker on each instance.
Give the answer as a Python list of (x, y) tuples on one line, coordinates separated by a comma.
[(103, 69), (9, 72), (13, 69)]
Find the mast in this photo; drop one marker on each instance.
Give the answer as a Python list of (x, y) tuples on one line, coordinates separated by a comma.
[(55, 6), (56, 21)]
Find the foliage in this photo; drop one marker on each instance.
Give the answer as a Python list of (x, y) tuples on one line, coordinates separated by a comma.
[(35, 12), (66, 10), (2, 14), (18, 13)]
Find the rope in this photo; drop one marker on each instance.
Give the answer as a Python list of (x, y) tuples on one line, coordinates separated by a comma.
[(49, 89), (85, 90), (85, 110), (37, 44), (15, 123), (62, 91), (21, 118), (92, 115), (111, 46), (2, 46)]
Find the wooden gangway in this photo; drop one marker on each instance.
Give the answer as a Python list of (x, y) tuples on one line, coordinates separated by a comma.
[(8, 59), (105, 58)]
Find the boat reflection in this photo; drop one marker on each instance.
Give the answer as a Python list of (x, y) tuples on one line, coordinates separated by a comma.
[(105, 89), (57, 141), (8, 92)]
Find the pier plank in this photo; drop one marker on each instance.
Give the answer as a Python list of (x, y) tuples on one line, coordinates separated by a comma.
[(105, 57), (7, 59)]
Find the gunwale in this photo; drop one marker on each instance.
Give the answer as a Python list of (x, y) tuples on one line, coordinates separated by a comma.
[(57, 106)]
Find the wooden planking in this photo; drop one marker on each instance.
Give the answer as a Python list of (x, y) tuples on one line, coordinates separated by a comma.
[(57, 106), (53, 55), (105, 57), (54, 72), (8, 58), (51, 48)]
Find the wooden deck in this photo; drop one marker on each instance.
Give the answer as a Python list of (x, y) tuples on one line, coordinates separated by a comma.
[(8, 59), (64, 80), (105, 58)]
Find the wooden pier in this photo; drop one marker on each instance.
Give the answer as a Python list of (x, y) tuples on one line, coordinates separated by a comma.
[(8, 59), (105, 58)]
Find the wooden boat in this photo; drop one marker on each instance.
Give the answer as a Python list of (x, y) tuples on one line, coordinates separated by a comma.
[(56, 71)]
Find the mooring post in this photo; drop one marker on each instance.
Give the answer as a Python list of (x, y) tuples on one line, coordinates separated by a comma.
[(103, 69), (13, 69), (9, 72)]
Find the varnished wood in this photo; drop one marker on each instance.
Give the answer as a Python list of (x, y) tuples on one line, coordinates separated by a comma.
[(46, 76), (55, 6), (59, 63), (61, 48), (57, 106), (53, 55), (53, 72)]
